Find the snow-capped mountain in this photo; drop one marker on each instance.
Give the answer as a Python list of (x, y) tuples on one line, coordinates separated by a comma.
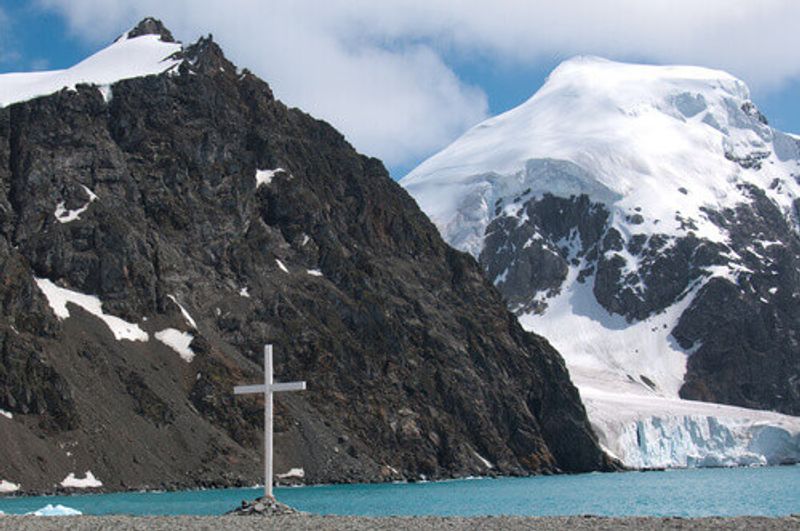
[(645, 220), (135, 53), (162, 217)]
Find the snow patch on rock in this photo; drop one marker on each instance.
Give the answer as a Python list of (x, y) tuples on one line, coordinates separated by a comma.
[(106, 92), (485, 462), (58, 298), (178, 341), (65, 216), (281, 266), (293, 473), (6, 414), (7, 487), (314, 272), (264, 177), (184, 312), (87, 482)]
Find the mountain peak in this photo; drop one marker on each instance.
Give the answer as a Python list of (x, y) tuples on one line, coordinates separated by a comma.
[(617, 126), (151, 26), (637, 70), (632, 83), (207, 57)]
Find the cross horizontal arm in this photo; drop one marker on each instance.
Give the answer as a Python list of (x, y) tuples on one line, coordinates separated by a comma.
[(249, 389), (288, 386), (274, 388)]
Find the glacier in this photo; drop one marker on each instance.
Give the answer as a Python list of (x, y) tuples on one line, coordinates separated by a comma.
[(664, 144), (657, 432)]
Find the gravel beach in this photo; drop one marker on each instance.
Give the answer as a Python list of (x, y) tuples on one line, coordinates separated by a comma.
[(357, 523)]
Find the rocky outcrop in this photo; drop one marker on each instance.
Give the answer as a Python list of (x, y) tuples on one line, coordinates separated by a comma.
[(264, 507), (150, 201), (746, 334), (742, 328)]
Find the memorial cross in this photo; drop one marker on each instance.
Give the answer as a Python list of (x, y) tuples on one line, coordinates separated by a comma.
[(267, 388)]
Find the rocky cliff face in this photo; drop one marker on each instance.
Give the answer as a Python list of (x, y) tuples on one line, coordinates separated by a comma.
[(156, 233), (741, 329)]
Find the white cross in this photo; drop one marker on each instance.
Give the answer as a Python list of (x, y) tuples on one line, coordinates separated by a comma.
[(268, 388)]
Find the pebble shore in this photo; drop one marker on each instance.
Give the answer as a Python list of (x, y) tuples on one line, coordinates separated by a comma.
[(359, 523)]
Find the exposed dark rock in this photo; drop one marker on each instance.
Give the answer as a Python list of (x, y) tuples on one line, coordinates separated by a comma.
[(744, 335), (411, 357), (747, 333), (151, 26), (264, 506), (750, 161), (750, 109), (525, 258)]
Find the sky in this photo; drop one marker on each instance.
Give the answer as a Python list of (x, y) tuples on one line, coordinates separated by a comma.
[(404, 78)]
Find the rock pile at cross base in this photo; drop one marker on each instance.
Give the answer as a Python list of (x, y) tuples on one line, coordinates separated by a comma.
[(415, 368), (264, 506)]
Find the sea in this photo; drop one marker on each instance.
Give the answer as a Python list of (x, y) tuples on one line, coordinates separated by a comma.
[(770, 491)]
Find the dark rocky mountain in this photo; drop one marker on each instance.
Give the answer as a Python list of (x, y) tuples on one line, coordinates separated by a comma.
[(149, 201)]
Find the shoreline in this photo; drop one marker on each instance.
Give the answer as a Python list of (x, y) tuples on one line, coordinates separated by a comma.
[(358, 523), (180, 487), (207, 487)]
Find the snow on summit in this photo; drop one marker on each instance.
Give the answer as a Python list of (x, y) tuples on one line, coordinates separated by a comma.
[(625, 134), (125, 58), (662, 156)]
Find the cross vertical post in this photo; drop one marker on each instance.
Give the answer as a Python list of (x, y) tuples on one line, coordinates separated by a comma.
[(267, 388), (268, 421)]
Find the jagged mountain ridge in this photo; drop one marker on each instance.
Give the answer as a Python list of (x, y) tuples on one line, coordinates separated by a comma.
[(156, 231), (645, 220)]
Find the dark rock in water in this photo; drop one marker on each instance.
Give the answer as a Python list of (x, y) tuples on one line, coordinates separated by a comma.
[(414, 366), (264, 506)]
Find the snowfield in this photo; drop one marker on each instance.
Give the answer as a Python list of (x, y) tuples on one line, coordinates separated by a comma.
[(643, 426), (663, 143)]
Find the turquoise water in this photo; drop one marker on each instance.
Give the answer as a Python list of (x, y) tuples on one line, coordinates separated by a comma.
[(699, 492)]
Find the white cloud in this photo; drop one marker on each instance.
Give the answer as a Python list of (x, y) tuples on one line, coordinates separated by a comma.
[(398, 104), (374, 68)]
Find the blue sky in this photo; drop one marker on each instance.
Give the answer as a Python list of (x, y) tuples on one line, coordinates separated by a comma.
[(403, 81)]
